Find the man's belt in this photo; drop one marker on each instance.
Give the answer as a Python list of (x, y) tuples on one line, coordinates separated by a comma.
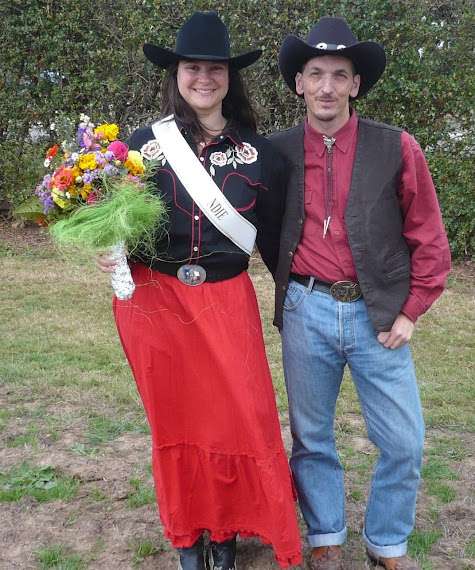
[(343, 291)]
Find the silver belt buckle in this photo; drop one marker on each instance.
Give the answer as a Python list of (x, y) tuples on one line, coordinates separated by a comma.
[(191, 275), (345, 291)]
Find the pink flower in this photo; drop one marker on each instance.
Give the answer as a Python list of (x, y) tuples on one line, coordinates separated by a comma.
[(119, 149), (93, 196), (247, 153), (218, 158)]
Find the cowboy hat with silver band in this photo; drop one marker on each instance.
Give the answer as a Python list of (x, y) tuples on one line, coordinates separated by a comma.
[(332, 36), (202, 37)]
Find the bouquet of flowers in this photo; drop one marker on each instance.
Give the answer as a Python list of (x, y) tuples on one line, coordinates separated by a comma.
[(98, 196)]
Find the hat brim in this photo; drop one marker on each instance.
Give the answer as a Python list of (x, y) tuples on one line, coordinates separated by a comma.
[(164, 57), (369, 59)]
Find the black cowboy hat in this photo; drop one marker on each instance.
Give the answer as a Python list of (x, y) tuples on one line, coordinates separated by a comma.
[(202, 37), (332, 36)]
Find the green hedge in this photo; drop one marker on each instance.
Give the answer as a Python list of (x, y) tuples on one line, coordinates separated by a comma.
[(74, 57)]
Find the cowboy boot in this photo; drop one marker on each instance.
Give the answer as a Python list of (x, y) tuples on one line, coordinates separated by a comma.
[(223, 555), (326, 558), (192, 558), (395, 563)]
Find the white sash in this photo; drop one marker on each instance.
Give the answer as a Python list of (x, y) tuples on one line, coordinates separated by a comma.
[(201, 187)]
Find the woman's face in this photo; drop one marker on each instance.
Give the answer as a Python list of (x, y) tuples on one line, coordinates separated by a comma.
[(203, 84)]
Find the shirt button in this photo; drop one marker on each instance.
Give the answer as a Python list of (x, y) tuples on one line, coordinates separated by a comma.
[(346, 264), (195, 248), (221, 137), (197, 217), (202, 159), (283, 287), (337, 233), (290, 254), (300, 222)]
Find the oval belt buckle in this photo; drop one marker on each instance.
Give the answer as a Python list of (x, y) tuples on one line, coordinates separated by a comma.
[(345, 291), (191, 274)]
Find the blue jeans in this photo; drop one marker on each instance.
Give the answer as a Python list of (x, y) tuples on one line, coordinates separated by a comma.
[(320, 336)]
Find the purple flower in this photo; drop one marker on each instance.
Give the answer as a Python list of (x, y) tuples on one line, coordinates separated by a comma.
[(45, 198), (81, 130), (109, 155), (110, 170), (99, 157), (87, 178), (46, 181)]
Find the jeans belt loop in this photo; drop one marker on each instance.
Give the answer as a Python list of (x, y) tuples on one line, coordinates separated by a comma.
[(310, 284)]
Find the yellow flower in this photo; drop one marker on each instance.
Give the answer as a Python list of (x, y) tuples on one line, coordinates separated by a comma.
[(85, 191), (109, 131), (134, 163), (76, 171), (87, 161), (63, 203)]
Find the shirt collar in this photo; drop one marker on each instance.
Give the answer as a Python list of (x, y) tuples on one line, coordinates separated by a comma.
[(343, 136), (232, 133)]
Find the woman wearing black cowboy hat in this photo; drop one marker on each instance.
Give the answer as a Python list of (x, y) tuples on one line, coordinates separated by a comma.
[(192, 330)]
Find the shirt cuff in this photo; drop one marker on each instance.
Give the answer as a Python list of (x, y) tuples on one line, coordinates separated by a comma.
[(412, 308)]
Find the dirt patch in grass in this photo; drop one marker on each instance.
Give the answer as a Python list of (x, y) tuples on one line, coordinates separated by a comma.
[(100, 524)]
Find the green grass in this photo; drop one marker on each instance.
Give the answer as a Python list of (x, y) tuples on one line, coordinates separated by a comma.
[(420, 542), (42, 483), (63, 374), (470, 549), (56, 557), (436, 468), (102, 429), (441, 490), (142, 548), (143, 493)]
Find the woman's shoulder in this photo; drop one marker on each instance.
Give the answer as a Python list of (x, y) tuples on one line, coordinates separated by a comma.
[(140, 137)]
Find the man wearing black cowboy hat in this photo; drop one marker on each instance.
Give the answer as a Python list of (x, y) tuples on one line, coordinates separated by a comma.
[(363, 254)]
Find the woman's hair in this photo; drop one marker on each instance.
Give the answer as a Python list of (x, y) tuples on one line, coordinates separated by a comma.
[(236, 105)]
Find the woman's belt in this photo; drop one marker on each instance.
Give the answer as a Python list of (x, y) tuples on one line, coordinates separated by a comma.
[(194, 274)]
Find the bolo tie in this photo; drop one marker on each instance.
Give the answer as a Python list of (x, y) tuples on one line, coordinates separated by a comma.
[(328, 142)]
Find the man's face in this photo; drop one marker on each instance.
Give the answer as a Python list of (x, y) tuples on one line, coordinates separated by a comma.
[(327, 82)]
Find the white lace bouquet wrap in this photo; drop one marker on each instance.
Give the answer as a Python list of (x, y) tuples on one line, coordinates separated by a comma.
[(121, 279)]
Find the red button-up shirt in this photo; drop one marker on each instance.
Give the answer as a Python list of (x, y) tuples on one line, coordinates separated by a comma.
[(329, 258)]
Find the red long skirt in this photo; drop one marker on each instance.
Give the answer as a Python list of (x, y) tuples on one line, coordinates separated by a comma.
[(198, 357)]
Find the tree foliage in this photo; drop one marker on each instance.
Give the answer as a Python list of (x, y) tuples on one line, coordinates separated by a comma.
[(72, 57)]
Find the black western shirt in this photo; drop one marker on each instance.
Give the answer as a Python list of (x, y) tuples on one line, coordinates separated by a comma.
[(251, 175)]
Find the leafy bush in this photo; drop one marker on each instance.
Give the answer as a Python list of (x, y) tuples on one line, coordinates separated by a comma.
[(60, 57)]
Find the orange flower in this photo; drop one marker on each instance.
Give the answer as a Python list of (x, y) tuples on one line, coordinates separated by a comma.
[(63, 178), (51, 152)]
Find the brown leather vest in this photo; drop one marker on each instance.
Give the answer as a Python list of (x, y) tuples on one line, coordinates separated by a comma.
[(372, 216)]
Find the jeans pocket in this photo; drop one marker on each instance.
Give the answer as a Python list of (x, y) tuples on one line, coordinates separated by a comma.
[(294, 297)]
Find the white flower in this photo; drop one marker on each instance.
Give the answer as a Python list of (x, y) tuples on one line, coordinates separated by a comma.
[(52, 126), (218, 158), (47, 162), (152, 150), (247, 153)]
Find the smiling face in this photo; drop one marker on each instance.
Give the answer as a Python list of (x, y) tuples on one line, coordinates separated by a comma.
[(327, 82), (203, 84)]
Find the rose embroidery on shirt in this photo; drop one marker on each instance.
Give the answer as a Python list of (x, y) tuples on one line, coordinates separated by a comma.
[(218, 158), (246, 154), (152, 151)]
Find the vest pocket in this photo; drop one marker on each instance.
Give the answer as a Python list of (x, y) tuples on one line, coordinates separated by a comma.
[(398, 264)]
